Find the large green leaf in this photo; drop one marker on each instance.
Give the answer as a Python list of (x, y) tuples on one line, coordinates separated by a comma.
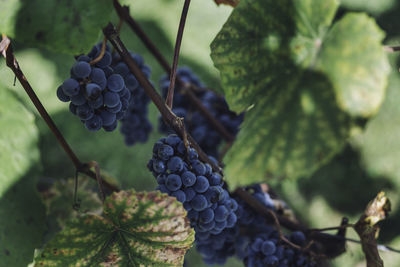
[(291, 135), (299, 79), (356, 64), (18, 140), (64, 26), (22, 215), (22, 223), (380, 142), (138, 229)]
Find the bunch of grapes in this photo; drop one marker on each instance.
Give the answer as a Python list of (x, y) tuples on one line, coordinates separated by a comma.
[(265, 250), (181, 174), (263, 246), (105, 92), (198, 126), (98, 95), (135, 125), (252, 239)]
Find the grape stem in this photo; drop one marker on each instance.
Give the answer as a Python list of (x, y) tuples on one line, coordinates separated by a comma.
[(11, 62), (102, 52), (168, 116), (95, 165), (178, 42), (188, 88)]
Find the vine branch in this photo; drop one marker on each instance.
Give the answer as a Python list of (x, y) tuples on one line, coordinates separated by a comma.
[(168, 116), (232, 3), (123, 13), (11, 62), (178, 42), (391, 49)]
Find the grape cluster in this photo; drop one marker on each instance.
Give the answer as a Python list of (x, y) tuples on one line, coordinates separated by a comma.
[(262, 246), (135, 125), (252, 239), (198, 126), (181, 174), (217, 248), (98, 95), (103, 93), (265, 250)]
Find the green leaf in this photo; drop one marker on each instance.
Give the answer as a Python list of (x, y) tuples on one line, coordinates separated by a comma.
[(58, 199), (22, 215), (299, 80), (137, 229), (22, 223), (64, 26), (289, 135), (8, 15), (18, 140), (374, 7), (380, 142), (356, 64)]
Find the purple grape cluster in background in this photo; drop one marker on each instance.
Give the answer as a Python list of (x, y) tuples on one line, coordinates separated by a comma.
[(135, 125), (105, 92), (261, 246), (198, 126), (253, 240)]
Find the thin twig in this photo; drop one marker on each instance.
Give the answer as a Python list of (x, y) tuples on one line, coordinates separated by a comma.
[(331, 228), (120, 23), (178, 42), (169, 117), (281, 235), (123, 13), (77, 202), (95, 165), (12, 63), (260, 208)]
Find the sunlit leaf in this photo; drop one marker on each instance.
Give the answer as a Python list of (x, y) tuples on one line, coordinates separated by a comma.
[(300, 80), (137, 229)]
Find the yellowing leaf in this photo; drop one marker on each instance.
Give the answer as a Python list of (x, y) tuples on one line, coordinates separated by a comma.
[(137, 229)]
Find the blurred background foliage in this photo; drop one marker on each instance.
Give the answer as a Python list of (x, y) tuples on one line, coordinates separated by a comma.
[(341, 188)]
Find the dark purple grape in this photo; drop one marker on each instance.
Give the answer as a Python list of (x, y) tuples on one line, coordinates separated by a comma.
[(70, 87), (94, 124), (62, 96), (115, 83), (82, 69)]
